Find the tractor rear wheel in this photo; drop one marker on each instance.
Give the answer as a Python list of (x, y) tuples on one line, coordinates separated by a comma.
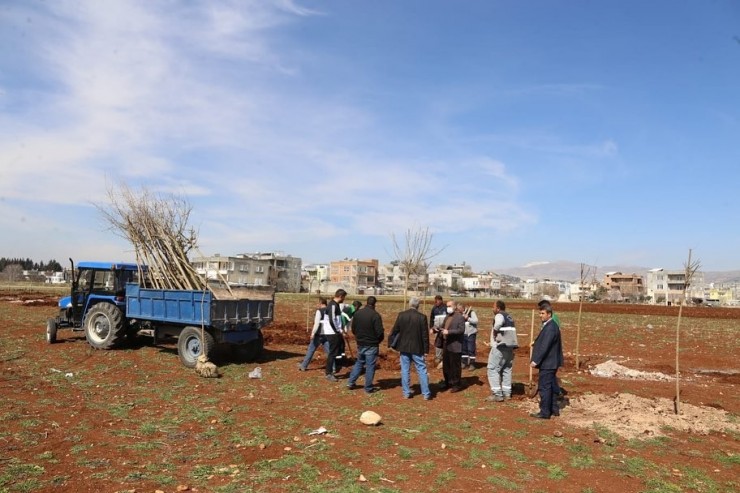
[(104, 326), (190, 345)]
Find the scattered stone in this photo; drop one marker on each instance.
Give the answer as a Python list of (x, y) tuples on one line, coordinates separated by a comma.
[(444, 446), (370, 418), (557, 433), (362, 479), (296, 439), (287, 449), (262, 446), (183, 487)]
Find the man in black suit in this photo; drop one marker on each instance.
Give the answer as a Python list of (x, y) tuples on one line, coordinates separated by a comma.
[(547, 355), (411, 336)]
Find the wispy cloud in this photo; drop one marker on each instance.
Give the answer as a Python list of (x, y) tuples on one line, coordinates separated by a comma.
[(199, 101)]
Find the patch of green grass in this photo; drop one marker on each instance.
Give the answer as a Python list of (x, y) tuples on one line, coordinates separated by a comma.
[(77, 449), (202, 471), (520, 433), (444, 477), (144, 446), (426, 467), (697, 480), (48, 455), (30, 423), (503, 483), (378, 461), (556, 472), (727, 458), (92, 463), (582, 462), (610, 438), (289, 390), (475, 439), (17, 472), (516, 455), (656, 485), (405, 453), (637, 466), (148, 428)]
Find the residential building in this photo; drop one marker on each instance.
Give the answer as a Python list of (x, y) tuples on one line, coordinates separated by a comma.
[(629, 286), (667, 286), (315, 277), (283, 272), (391, 278), (353, 275)]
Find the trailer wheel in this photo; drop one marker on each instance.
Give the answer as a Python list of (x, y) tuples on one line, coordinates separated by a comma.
[(104, 326), (190, 345), (51, 331), (250, 351)]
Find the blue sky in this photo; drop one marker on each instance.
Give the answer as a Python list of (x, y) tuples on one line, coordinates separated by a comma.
[(601, 132)]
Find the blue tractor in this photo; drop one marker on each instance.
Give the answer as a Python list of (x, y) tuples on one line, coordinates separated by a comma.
[(109, 303)]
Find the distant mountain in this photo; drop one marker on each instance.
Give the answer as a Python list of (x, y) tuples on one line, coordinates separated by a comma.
[(564, 270), (719, 277)]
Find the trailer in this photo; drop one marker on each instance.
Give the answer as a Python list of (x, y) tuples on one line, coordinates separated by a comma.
[(110, 304)]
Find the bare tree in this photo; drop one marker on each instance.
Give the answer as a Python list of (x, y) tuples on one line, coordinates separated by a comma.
[(157, 227), (13, 272), (690, 268), (415, 254)]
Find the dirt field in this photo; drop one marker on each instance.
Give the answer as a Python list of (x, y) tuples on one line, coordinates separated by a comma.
[(80, 420)]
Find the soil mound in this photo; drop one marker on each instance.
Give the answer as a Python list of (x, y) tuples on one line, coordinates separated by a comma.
[(631, 416), (612, 369)]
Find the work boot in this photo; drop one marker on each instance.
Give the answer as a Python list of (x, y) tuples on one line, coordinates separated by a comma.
[(495, 398)]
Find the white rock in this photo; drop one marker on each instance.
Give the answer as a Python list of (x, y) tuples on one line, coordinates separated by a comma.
[(370, 418)]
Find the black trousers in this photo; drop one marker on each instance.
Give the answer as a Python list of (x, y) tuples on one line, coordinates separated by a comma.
[(546, 382), (333, 352), (452, 368)]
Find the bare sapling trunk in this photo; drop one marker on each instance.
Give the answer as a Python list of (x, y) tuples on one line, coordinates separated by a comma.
[(584, 274), (690, 269)]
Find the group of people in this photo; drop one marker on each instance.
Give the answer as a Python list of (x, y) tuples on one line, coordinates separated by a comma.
[(454, 327)]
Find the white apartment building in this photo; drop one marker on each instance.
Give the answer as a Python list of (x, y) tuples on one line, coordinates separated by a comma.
[(283, 272), (666, 286)]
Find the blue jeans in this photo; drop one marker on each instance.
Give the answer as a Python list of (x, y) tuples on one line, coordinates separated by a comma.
[(316, 341), (366, 355), (421, 369)]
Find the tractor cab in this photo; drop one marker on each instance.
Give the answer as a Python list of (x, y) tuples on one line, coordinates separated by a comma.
[(95, 282)]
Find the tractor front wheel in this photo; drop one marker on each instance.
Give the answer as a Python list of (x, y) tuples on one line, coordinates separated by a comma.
[(190, 345), (104, 326)]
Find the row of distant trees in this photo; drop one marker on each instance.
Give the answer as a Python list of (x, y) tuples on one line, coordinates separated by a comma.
[(28, 264), (11, 269)]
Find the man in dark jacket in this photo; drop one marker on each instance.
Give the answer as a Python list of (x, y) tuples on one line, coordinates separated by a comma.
[(453, 332), (438, 310), (367, 326), (547, 355), (412, 341)]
